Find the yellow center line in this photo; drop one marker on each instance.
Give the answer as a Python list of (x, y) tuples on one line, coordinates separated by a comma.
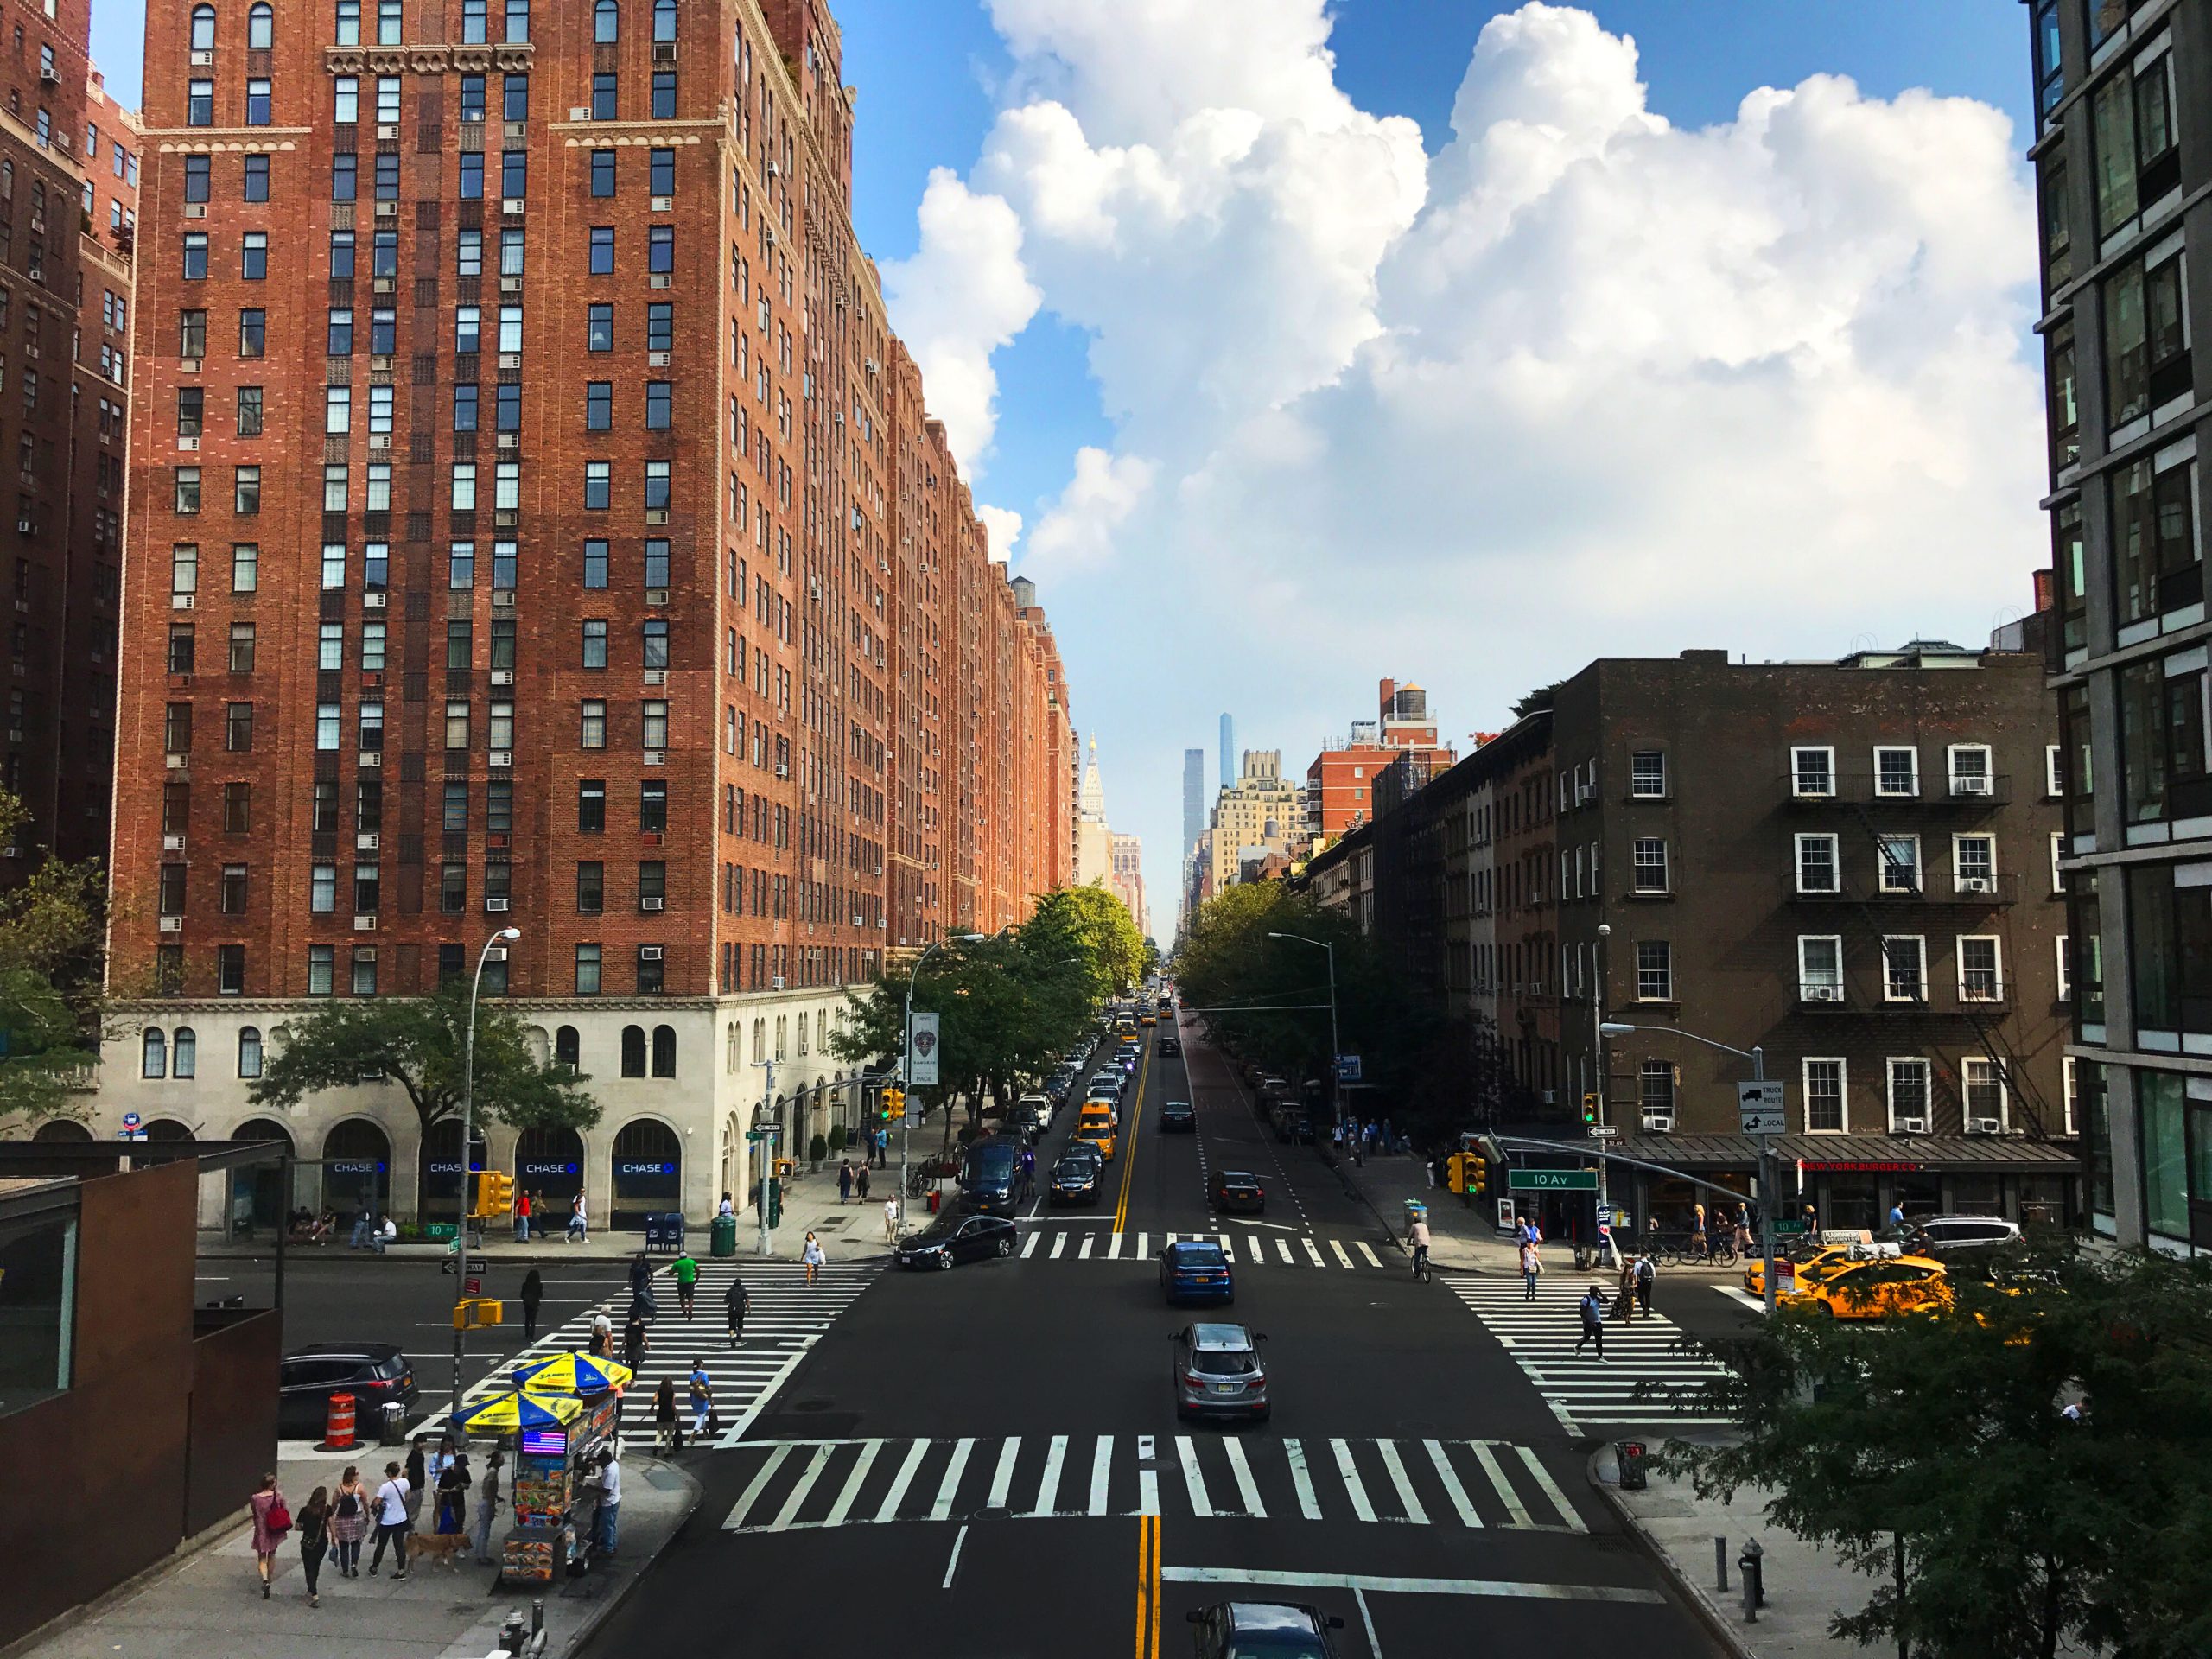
[(1148, 1587), (1129, 1163)]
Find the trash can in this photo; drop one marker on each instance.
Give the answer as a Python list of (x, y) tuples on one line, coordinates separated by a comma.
[(722, 1240), (1629, 1455), (1415, 1210), (392, 1426)]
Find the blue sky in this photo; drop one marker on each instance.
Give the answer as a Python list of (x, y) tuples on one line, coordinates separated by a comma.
[(1202, 580)]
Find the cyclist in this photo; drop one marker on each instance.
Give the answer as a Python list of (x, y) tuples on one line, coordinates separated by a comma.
[(1417, 1236)]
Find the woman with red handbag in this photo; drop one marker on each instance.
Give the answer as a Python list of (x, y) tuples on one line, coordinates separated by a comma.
[(272, 1520)]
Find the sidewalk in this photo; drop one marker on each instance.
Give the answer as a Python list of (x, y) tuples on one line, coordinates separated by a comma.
[(1805, 1586), (207, 1605)]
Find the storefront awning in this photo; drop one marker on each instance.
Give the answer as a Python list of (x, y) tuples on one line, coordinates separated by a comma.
[(1850, 1155)]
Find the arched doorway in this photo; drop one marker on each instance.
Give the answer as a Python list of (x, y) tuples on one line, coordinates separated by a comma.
[(165, 1128), (648, 1173), (550, 1166), (438, 1176), (258, 1194), (356, 1168), (61, 1128)]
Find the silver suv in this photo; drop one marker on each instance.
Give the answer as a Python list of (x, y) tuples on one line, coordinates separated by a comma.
[(1217, 1372), (1939, 1234)]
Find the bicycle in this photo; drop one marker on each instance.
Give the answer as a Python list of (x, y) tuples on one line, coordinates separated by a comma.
[(1420, 1263)]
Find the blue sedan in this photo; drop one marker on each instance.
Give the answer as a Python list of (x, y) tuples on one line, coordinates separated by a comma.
[(1194, 1271)]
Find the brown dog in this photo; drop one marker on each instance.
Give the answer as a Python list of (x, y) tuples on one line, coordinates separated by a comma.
[(447, 1546)]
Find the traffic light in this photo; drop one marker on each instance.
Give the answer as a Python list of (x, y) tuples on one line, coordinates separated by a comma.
[(1479, 1173), (894, 1102), (1590, 1108), (495, 1194)]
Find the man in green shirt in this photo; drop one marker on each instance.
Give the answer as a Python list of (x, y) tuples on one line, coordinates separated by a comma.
[(687, 1280)]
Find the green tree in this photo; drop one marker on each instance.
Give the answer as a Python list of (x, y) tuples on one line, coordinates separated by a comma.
[(50, 999), (417, 1043), (1941, 1437)]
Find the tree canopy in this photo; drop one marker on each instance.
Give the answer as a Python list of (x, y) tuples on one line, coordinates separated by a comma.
[(2023, 1532), (50, 1002), (417, 1043)]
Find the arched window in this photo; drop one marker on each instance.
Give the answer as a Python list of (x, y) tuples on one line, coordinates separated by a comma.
[(154, 1054), (261, 28), (606, 21), (633, 1051), (663, 20), (568, 1047), (184, 1053), (729, 1047), (249, 1051), (663, 1051), (203, 29)]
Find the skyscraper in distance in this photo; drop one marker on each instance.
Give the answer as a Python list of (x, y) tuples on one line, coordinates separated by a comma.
[(1194, 798), (1228, 753)]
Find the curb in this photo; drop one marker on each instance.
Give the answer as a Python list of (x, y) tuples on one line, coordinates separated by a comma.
[(1717, 1624)]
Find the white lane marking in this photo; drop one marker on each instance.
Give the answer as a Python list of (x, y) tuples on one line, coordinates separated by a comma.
[(843, 1506), (1372, 1260), (950, 1484), (1048, 1489), (816, 1463), (1407, 1500), (1029, 1245), (1102, 1466), (1308, 1505), (1147, 1492), (1002, 1477), (1551, 1490), (1336, 1245), (1253, 1239), (1517, 1588), (1488, 1458), (1083, 1249), (1172, 1237), (1113, 1246), (1282, 1249), (1453, 1490), (1312, 1253), (1247, 1488), (1350, 1471), (1144, 1241), (1366, 1620), (1228, 1244), (1195, 1481), (1060, 1244), (1248, 1221), (757, 1485), (953, 1566)]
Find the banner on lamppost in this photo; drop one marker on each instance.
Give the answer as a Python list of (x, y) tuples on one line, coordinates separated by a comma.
[(922, 1051)]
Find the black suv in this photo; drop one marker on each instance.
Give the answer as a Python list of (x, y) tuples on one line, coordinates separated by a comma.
[(1170, 1045), (374, 1373)]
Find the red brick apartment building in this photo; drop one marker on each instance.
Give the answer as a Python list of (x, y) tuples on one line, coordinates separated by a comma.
[(564, 545), (68, 211), (1340, 783)]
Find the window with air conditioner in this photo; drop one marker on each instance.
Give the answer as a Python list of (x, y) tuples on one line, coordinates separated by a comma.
[(1982, 1095), (1820, 966), (1974, 863), (1655, 1083), (1909, 1094), (1970, 769)]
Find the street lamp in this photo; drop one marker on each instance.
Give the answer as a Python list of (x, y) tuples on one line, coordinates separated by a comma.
[(1336, 1104), (467, 1117), (906, 1055), (1756, 1055)]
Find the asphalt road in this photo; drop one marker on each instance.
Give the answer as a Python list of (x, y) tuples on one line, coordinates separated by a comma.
[(986, 1462)]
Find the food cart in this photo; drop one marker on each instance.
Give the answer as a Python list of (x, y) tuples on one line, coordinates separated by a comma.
[(556, 1437)]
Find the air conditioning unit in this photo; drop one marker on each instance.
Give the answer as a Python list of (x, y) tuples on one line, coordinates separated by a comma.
[(188, 364), (383, 363), (1970, 786), (653, 952), (502, 677), (1824, 993), (656, 756), (656, 515), (175, 925), (656, 676), (1984, 1126), (387, 210), (48, 77), (1977, 884), (662, 204), (652, 904), (387, 129), (195, 210), (657, 279), (772, 171), (364, 923), (172, 843), (512, 207), (510, 440), (379, 440), (1658, 1122), (372, 758), (509, 284), (1911, 1126), (372, 601), (501, 756), (367, 843), (663, 51), (202, 59), (871, 366), (1551, 1097), (502, 599), (656, 359), (521, 129), (768, 235), (181, 601), (656, 596), (511, 359), (383, 284), (189, 444), (776, 983), (496, 905)]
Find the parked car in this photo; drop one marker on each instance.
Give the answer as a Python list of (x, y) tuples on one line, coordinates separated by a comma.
[(1196, 1270), (1276, 1630), (1939, 1234), (1217, 1372), (1075, 1179), (953, 1238), (1176, 1116), (374, 1373), (1236, 1191), (1875, 1290)]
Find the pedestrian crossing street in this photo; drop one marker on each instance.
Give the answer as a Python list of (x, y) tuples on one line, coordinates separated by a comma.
[(786, 1318), (795, 1485), (1254, 1249), (1584, 1392)]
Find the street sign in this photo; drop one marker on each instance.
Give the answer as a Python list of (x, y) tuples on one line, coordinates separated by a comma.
[(131, 1119), (1762, 1109), (1551, 1181), (1347, 1068), (1601, 1131), (922, 1051), (1789, 1224)]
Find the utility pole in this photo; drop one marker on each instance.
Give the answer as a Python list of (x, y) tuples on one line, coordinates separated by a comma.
[(467, 1116), (1336, 1082), (764, 1126)]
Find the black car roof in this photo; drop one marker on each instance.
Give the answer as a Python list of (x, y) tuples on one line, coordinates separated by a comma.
[(375, 1350)]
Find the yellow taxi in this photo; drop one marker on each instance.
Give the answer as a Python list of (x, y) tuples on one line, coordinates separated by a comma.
[(1880, 1289), (1149, 1018), (1098, 1132), (1820, 1264)]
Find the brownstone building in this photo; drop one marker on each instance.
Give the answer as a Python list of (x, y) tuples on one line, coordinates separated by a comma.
[(630, 625), (69, 168)]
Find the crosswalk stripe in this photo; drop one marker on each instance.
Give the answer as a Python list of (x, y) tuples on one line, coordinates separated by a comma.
[(1373, 1260), (1029, 1245), (1396, 1470), (1312, 1252), (1228, 1244), (1147, 1492), (1083, 1248), (1353, 1484), (1048, 1488), (1144, 1240), (758, 1484), (1253, 1239), (1060, 1243), (1502, 1487), (1102, 1466), (854, 1482), (1295, 1454), (1247, 1488), (892, 1499), (1282, 1249), (816, 1461), (1551, 1490), (1113, 1242), (1452, 1489), (950, 1484), (1003, 1478), (1337, 1245), (1193, 1480)]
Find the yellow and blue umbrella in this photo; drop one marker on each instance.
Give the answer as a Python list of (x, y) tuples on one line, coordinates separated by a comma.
[(577, 1373), (504, 1414)]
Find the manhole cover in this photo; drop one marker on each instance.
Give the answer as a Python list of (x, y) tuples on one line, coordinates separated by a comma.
[(831, 1223)]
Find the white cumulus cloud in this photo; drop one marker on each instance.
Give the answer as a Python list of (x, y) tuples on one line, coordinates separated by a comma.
[(1003, 528), (1077, 531)]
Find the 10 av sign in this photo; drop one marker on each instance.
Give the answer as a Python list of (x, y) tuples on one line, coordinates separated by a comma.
[(1551, 1181)]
